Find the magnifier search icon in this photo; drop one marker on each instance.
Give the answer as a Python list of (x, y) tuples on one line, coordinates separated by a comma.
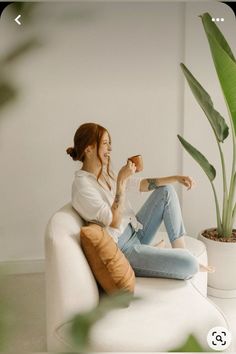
[(219, 338)]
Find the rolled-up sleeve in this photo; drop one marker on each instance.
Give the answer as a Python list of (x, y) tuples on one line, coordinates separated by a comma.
[(87, 201)]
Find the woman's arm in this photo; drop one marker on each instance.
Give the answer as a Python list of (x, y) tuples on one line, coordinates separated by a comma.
[(149, 184), (118, 204)]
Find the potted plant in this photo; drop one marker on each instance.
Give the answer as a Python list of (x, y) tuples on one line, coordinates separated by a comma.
[(220, 241)]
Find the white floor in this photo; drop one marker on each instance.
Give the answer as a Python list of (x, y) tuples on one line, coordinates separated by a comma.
[(25, 295)]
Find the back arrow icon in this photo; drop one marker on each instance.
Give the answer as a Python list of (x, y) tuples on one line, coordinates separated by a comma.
[(17, 19)]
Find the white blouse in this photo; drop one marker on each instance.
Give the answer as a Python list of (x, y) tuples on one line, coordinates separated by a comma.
[(93, 202)]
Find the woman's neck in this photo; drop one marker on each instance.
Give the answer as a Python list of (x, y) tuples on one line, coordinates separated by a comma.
[(93, 168)]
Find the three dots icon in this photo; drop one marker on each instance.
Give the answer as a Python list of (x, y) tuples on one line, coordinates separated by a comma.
[(217, 19)]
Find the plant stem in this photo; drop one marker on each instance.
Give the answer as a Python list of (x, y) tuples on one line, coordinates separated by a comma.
[(230, 212), (233, 215), (225, 188), (219, 223)]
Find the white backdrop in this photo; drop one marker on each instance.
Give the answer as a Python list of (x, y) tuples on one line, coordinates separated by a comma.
[(116, 64)]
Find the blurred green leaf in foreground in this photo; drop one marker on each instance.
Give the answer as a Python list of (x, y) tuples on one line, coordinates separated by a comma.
[(191, 345), (82, 323), (8, 90)]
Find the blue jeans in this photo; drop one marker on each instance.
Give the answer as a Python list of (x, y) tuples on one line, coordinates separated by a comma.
[(149, 261)]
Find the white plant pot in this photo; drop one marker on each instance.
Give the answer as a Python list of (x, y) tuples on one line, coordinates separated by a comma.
[(222, 255)]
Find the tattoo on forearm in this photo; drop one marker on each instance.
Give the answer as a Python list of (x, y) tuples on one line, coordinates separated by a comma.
[(152, 183), (117, 201)]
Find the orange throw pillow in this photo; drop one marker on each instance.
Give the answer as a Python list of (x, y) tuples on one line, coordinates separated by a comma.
[(109, 265)]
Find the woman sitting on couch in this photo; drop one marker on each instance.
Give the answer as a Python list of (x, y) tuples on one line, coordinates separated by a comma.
[(99, 196)]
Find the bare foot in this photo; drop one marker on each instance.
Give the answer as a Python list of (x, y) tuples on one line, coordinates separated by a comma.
[(209, 269), (160, 244)]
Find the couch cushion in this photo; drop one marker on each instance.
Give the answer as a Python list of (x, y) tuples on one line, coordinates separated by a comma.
[(70, 284), (109, 265), (168, 311)]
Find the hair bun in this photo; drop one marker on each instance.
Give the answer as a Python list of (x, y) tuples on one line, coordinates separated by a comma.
[(71, 151)]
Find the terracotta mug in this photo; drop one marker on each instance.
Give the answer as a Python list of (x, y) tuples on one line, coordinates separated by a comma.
[(138, 161)]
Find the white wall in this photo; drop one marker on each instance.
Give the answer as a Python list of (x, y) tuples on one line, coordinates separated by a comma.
[(118, 65), (198, 205)]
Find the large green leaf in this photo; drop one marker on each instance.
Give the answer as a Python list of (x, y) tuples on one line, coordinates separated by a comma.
[(216, 120), (211, 28), (199, 158), (224, 63)]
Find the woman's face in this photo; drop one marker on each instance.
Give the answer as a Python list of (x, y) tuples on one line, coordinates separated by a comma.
[(105, 148)]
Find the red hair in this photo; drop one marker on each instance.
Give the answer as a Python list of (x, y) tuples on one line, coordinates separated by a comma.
[(88, 134)]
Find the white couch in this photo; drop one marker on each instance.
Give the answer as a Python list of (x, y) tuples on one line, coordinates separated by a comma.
[(170, 309)]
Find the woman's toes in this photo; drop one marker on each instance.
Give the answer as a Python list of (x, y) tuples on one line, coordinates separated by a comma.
[(209, 269)]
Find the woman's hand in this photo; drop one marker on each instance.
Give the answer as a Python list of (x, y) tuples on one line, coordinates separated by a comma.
[(126, 171), (187, 181)]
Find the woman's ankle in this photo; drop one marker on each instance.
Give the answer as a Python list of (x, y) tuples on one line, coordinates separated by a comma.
[(179, 243)]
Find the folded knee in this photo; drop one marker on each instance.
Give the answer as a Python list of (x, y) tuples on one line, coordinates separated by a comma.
[(191, 266), (168, 190)]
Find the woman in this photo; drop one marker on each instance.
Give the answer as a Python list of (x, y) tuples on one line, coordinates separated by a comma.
[(100, 197)]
